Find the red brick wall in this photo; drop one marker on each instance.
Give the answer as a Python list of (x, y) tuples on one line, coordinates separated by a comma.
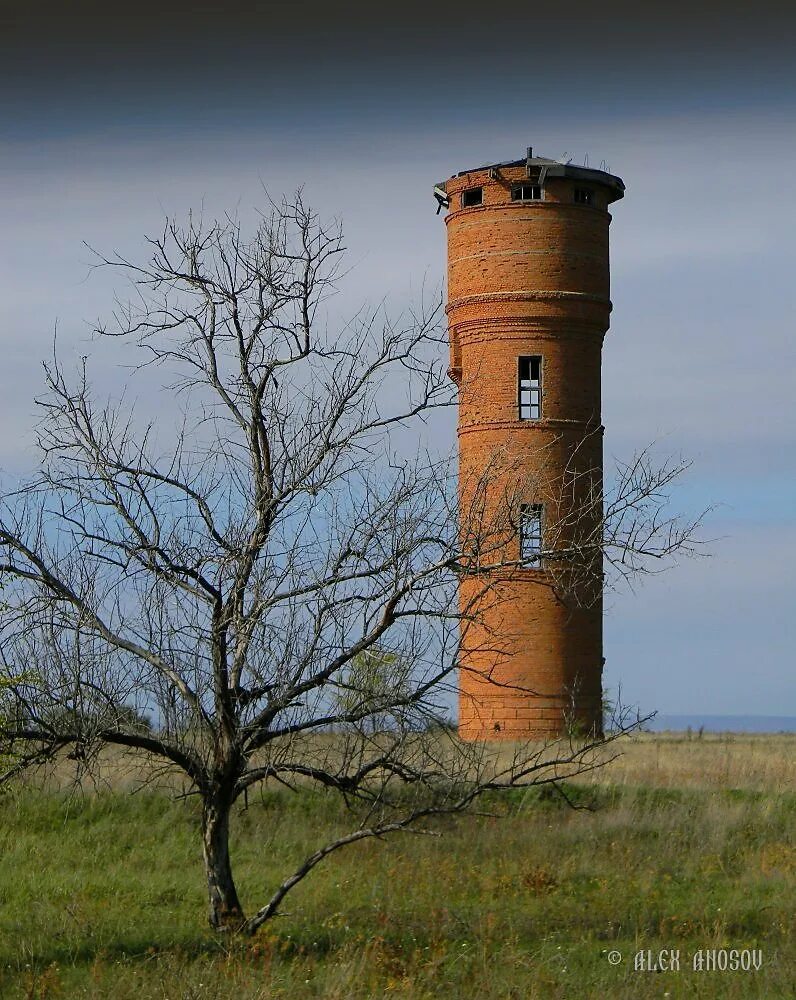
[(527, 278)]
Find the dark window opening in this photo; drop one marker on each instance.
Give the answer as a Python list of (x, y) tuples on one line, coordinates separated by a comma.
[(529, 388), (473, 197), (531, 516), (583, 196), (526, 192)]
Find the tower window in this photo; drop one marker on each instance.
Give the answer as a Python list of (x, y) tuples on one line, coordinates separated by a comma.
[(529, 388), (472, 197), (526, 192), (583, 196), (531, 517)]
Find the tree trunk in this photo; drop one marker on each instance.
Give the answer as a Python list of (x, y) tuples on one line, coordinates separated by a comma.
[(225, 911)]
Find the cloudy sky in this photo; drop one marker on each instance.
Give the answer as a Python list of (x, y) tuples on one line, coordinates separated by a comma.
[(109, 122)]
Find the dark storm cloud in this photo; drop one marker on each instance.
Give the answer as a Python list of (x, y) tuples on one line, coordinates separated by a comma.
[(179, 66)]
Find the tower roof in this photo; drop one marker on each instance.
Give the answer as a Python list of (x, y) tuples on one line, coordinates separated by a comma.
[(557, 168)]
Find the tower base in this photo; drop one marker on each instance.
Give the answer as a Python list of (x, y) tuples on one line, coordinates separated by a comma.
[(503, 717)]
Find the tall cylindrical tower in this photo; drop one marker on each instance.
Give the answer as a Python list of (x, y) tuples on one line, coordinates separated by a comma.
[(528, 306)]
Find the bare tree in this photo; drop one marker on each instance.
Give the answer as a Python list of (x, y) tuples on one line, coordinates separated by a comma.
[(271, 582)]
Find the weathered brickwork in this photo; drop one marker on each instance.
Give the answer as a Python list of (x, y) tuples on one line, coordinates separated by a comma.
[(528, 278)]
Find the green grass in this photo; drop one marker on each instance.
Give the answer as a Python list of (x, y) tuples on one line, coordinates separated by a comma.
[(102, 896)]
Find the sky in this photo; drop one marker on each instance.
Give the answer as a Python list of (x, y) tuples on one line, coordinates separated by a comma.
[(111, 121)]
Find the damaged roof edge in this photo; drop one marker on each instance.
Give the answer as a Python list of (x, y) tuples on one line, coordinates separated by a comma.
[(553, 168)]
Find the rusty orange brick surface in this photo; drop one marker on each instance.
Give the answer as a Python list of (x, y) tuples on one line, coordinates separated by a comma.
[(527, 278)]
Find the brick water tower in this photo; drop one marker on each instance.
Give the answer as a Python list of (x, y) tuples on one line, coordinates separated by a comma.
[(528, 307)]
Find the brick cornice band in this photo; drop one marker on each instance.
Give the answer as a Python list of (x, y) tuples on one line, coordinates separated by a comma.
[(526, 295), (530, 426)]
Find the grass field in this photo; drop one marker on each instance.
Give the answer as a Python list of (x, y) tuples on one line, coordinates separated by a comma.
[(691, 846)]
